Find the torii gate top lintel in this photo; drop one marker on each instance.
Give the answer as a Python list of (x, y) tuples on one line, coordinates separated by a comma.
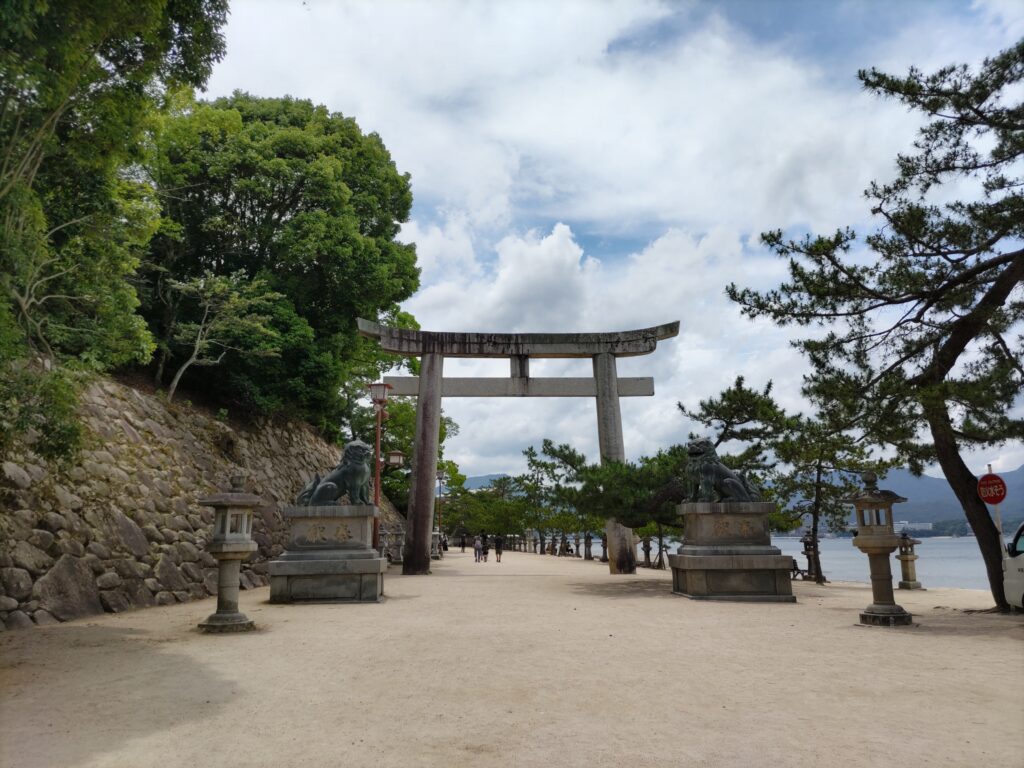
[(620, 344)]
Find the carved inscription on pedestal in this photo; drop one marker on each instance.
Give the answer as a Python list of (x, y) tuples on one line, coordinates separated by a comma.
[(342, 532)]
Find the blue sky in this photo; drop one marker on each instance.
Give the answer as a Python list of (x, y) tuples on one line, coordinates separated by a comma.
[(610, 165)]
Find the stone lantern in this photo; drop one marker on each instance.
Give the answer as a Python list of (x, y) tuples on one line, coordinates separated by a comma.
[(907, 558), (231, 544), (876, 537), (810, 542)]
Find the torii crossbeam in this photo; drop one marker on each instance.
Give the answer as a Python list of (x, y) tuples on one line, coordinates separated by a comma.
[(605, 386)]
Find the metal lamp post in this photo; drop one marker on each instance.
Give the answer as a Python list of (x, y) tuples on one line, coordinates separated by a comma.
[(440, 480), (379, 396), (396, 538), (435, 538)]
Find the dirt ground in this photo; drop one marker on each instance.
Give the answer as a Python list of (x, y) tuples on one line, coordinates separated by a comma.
[(534, 661)]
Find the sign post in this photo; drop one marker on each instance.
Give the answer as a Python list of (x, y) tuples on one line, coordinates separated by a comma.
[(992, 490)]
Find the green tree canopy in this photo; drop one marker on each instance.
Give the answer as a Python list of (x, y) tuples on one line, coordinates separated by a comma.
[(741, 414), (924, 343), (233, 316), (78, 80), (284, 190)]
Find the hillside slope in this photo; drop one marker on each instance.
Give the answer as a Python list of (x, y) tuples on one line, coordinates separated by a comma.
[(122, 528)]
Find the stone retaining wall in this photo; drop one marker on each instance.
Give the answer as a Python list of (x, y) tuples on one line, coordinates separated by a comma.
[(122, 528)]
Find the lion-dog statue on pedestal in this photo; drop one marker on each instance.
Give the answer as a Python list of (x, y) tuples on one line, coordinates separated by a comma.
[(351, 477), (708, 479)]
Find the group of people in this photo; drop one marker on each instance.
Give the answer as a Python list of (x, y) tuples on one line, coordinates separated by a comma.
[(482, 546)]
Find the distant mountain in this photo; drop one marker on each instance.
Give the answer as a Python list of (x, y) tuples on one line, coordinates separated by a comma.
[(481, 481), (930, 498)]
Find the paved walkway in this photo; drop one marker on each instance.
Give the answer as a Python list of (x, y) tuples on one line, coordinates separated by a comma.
[(534, 661)]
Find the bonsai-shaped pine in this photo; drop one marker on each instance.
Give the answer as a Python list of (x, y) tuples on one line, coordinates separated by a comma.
[(232, 314), (923, 346)]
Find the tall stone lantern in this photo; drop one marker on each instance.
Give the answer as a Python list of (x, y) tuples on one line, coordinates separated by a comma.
[(876, 537), (230, 545)]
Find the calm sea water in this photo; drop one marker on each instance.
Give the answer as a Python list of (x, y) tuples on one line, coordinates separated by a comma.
[(942, 562)]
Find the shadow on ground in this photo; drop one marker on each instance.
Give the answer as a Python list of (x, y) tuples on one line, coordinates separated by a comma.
[(627, 589), (947, 621), (56, 678)]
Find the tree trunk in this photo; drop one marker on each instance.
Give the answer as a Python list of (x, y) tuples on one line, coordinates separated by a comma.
[(965, 486), (177, 377), (621, 554), (660, 564), (422, 495), (819, 577), (164, 347)]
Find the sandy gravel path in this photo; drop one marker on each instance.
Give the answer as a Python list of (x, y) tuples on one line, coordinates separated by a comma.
[(534, 661)]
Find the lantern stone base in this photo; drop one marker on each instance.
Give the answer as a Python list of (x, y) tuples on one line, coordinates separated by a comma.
[(886, 616), (727, 555), (329, 556), (227, 622)]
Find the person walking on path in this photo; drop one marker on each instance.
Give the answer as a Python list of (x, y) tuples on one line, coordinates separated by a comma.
[(484, 544), (463, 541), (499, 545), (477, 549)]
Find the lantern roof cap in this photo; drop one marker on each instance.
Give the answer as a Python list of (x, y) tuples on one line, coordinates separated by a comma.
[(871, 494)]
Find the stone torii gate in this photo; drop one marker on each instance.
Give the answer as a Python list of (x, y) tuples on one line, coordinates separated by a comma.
[(433, 347)]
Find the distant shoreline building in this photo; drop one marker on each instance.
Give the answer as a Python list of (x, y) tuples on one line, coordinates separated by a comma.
[(905, 525)]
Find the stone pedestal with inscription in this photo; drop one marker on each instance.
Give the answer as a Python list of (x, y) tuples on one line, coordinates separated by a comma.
[(727, 554), (329, 556)]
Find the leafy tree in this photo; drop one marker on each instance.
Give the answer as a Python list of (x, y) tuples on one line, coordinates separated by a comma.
[(78, 81), (499, 508), (822, 467), (744, 415), (924, 326), (551, 492), (287, 191), (76, 89), (76, 77), (231, 318), (661, 475), (398, 433), (38, 406)]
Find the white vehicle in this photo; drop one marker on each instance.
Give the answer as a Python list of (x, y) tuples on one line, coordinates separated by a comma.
[(1013, 569)]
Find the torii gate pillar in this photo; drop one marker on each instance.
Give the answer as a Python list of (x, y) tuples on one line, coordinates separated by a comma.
[(425, 451), (605, 387), (609, 417)]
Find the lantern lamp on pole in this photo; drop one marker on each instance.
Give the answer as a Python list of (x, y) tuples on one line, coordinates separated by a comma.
[(379, 396), (440, 480)]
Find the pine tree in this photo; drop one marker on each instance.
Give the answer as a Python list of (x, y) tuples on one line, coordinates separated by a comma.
[(924, 344)]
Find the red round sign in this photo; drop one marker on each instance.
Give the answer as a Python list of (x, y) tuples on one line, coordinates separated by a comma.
[(991, 489)]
